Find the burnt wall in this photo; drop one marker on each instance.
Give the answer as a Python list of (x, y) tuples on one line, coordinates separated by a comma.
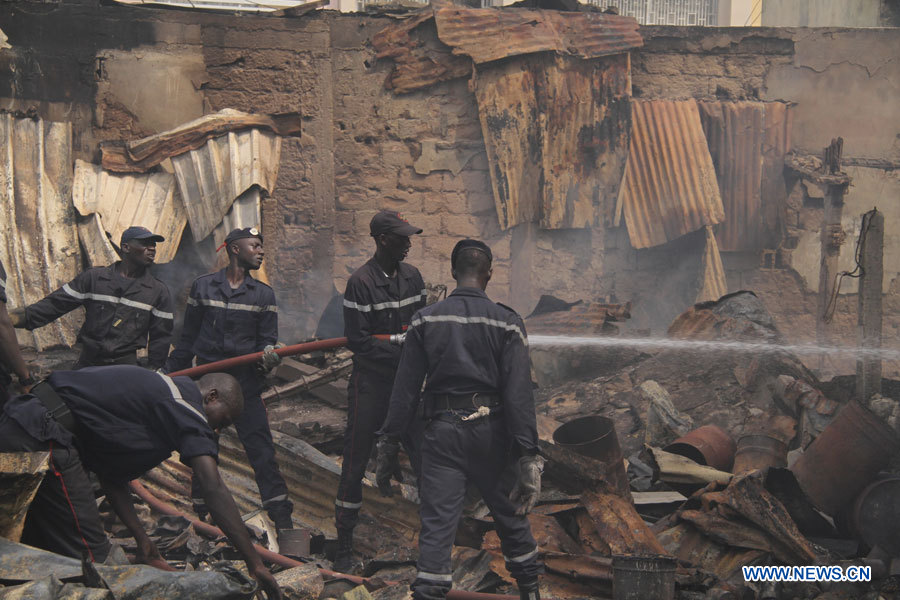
[(119, 72)]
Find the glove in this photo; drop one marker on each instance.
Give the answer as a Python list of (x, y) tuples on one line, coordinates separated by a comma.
[(17, 316), (398, 338), (270, 359), (387, 465), (528, 488)]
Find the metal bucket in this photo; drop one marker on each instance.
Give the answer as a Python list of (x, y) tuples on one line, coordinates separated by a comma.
[(643, 577), (875, 516), (595, 437), (845, 457), (708, 445), (21, 473), (759, 452), (293, 542)]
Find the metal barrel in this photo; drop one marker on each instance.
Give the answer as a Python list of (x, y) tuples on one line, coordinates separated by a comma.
[(846, 456), (643, 577), (595, 437), (759, 451), (875, 515), (708, 445)]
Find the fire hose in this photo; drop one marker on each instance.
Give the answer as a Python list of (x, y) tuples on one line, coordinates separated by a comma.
[(165, 508), (248, 359)]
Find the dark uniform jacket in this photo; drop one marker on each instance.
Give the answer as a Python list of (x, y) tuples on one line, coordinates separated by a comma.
[(120, 313), (462, 345), (5, 379), (375, 303), (221, 323), (128, 419)]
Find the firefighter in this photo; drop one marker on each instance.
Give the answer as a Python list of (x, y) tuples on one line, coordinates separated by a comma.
[(119, 422), (10, 357), (126, 307), (478, 402), (229, 313), (381, 297)]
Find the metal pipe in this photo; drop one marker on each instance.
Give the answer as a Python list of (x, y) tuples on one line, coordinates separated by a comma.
[(165, 508), (246, 359)]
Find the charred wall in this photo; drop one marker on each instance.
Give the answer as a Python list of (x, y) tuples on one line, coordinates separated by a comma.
[(364, 148)]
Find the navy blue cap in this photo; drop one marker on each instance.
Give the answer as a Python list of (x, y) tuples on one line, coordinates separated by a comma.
[(246, 232), (140, 233), (470, 243), (389, 221)]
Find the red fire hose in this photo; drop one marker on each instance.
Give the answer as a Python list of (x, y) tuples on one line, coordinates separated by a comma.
[(247, 359), (167, 509)]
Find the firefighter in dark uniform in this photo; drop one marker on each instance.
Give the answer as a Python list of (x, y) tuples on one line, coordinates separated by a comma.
[(473, 356), (228, 314), (120, 422), (10, 357), (126, 308), (381, 297)]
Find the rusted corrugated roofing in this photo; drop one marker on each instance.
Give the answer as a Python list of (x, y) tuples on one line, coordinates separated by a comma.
[(40, 243), (556, 133), (748, 141), (488, 34), (141, 155), (713, 284), (115, 202), (670, 187), (211, 177), (226, 5)]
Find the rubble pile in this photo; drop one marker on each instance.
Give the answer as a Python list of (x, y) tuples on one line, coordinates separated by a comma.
[(667, 471)]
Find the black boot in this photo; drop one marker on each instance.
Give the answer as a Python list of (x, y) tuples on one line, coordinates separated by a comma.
[(343, 557), (529, 590)]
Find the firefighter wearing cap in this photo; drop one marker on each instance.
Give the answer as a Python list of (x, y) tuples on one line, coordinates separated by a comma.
[(228, 314), (472, 355), (10, 358), (381, 297), (126, 307)]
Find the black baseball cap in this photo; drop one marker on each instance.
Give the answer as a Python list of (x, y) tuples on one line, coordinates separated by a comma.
[(389, 221), (470, 243), (246, 232), (140, 233)]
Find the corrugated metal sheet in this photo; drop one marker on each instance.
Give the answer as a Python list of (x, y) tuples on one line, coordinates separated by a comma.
[(211, 177), (115, 202), (712, 274), (225, 5), (312, 479), (747, 142), (556, 132), (670, 187), (488, 34), (141, 155), (40, 243), (420, 59)]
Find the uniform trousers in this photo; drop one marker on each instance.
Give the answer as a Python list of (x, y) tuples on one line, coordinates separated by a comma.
[(369, 395), (253, 430), (63, 517), (453, 453)]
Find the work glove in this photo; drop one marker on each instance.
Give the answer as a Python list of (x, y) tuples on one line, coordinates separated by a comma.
[(398, 338), (17, 316), (387, 465), (270, 359), (528, 487)]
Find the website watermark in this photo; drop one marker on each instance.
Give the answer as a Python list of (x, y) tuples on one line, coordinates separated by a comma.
[(808, 573)]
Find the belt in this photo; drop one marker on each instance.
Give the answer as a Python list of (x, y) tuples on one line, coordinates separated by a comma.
[(44, 392), (441, 402)]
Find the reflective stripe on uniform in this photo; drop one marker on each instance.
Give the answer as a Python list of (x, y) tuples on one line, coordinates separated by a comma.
[(522, 557), (176, 396), (115, 300), (232, 306), (275, 499), (447, 577), (384, 305), (2, 283), (350, 505), (470, 321)]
